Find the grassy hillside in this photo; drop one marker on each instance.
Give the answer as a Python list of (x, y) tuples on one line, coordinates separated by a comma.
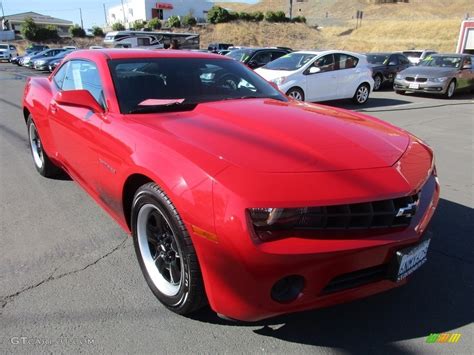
[(440, 35)]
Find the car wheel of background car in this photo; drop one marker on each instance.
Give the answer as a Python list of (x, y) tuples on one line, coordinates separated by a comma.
[(362, 94), (400, 92), (377, 82), (451, 89), (165, 251), (295, 93), (42, 162)]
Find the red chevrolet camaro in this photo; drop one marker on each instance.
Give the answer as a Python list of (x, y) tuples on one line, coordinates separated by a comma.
[(234, 194)]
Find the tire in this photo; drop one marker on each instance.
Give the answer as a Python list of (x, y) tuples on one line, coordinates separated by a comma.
[(165, 251), (362, 93), (43, 163), (295, 93), (378, 81), (451, 89), (400, 92)]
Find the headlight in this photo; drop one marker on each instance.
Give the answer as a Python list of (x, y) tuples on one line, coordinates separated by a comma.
[(279, 81), (265, 219), (40, 62), (399, 77), (438, 80)]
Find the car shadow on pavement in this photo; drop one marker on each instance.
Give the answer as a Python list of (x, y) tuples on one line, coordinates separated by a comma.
[(372, 103), (437, 299)]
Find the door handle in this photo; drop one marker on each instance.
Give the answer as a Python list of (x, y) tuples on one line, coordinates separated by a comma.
[(53, 107)]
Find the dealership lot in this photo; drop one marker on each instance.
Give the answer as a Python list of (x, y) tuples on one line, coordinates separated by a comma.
[(70, 281)]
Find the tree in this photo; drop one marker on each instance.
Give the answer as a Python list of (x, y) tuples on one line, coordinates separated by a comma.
[(174, 21), (218, 15), (29, 29), (118, 27), (77, 31), (257, 16), (98, 31), (154, 23), (189, 20), (278, 16)]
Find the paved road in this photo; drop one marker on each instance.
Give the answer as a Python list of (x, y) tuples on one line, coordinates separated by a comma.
[(69, 280)]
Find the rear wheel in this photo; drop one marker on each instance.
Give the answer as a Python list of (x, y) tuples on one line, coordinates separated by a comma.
[(362, 94), (377, 82), (295, 93), (450, 90), (43, 164), (165, 251)]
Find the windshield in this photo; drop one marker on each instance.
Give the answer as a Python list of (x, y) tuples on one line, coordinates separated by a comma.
[(188, 81), (442, 62), (242, 55), (413, 54), (377, 58), (291, 61), (3, 46)]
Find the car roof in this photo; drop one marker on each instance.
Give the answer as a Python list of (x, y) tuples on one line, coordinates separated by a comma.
[(332, 51), (141, 53)]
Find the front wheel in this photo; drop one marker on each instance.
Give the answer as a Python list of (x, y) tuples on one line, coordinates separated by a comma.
[(362, 94), (165, 251), (377, 82), (295, 93), (43, 164), (450, 90)]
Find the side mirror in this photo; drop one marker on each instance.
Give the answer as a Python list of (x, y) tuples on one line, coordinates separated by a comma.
[(252, 64), (392, 64), (78, 98), (467, 66), (314, 70)]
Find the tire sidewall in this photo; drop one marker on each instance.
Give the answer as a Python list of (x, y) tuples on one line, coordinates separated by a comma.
[(297, 90), (452, 82), (148, 196), (42, 169), (357, 90), (379, 77)]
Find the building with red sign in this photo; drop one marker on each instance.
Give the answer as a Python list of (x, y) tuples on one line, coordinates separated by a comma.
[(133, 10)]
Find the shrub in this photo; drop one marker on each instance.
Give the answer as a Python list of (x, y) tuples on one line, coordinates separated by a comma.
[(154, 23), (299, 19), (77, 31), (189, 20), (257, 16), (218, 15), (97, 31), (278, 16), (173, 21), (138, 24), (28, 29), (118, 27)]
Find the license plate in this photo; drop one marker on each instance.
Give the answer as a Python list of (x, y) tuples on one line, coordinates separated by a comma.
[(411, 259), (414, 86)]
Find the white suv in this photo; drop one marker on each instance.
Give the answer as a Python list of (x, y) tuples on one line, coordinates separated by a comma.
[(415, 56), (7, 51), (321, 76)]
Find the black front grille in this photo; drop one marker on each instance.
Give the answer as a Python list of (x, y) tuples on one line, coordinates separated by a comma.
[(357, 278), (418, 80), (376, 214)]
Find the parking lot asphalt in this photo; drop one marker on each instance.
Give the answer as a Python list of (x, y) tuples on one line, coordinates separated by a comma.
[(70, 282)]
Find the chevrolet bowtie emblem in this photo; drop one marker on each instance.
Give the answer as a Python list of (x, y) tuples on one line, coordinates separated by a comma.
[(408, 211)]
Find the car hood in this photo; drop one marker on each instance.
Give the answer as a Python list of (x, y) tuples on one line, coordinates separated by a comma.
[(266, 135), (273, 74), (429, 72)]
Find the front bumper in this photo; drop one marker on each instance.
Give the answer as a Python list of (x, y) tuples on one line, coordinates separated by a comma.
[(41, 67), (425, 87)]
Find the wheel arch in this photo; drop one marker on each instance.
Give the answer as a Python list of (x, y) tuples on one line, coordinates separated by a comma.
[(26, 113), (131, 185)]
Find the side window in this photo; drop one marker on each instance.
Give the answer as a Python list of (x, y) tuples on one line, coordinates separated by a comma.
[(403, 60), (393, 60), (262, 58), (59, 76), (345, 61), (143, 41), (84, 75), (325, 63), (277, 54), (12, 48)]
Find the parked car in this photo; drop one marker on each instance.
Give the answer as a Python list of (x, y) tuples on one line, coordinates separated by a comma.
[(236, 196), (35, 48), (216, 47), (19, 58), (48, 53), (7, 51), (257, 57), (415, 56), (385, 67), (43, 63), (321, 76), (441, 74)]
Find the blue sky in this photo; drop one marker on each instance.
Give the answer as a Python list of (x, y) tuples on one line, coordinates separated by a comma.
[(92, 10)]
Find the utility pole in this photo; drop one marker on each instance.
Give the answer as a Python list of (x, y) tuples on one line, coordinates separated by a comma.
[(105, 16), (80, 13), (124, 18), (291, 9)]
